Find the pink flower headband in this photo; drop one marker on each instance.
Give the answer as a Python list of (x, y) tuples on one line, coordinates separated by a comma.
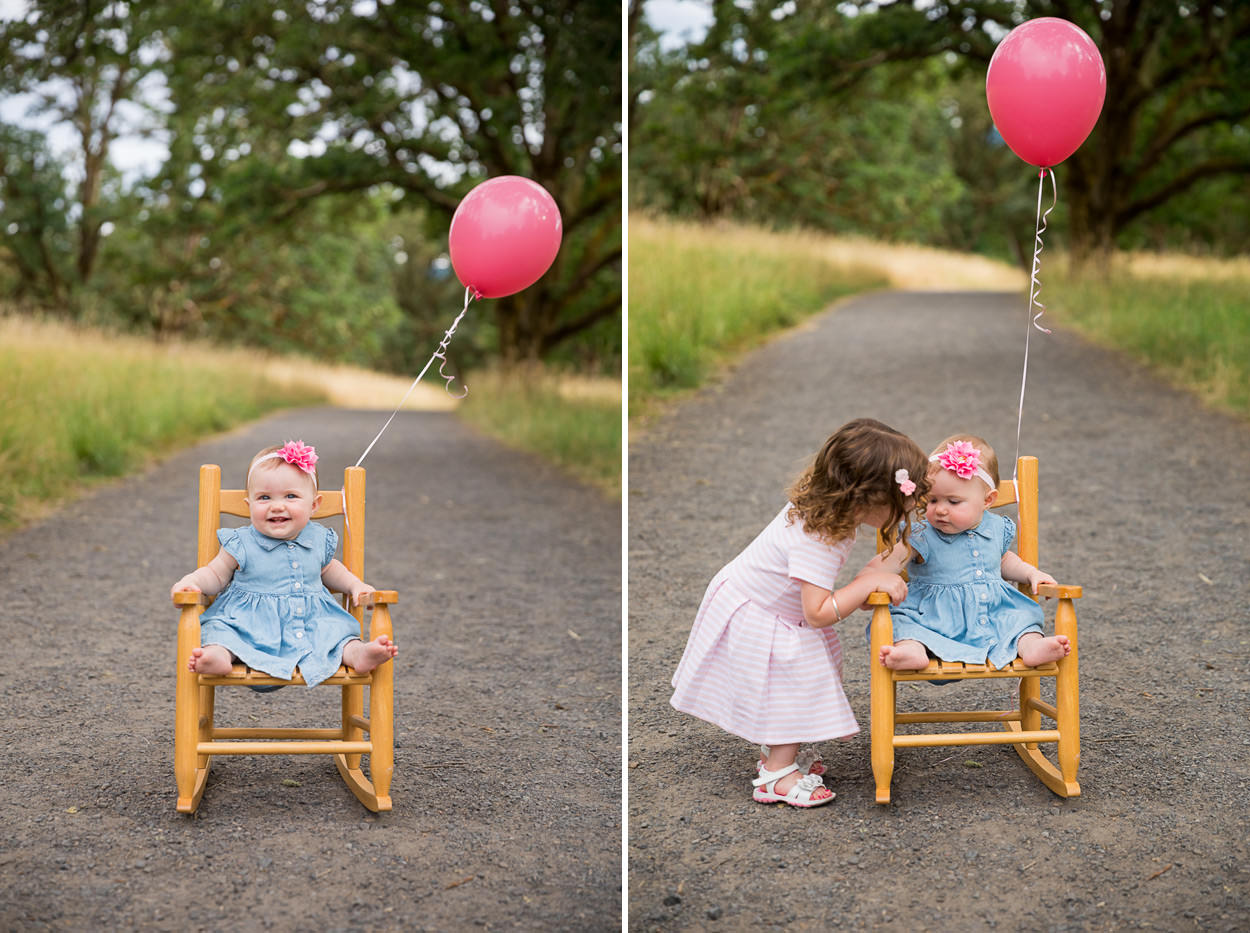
[(964, 460), (296, 453)]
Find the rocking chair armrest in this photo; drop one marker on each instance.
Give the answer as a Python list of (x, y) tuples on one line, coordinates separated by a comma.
[(1060, 590), (878, 598), (385, 597), (186, 598)]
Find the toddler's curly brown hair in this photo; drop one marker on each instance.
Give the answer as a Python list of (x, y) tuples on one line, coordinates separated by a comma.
[(853, 472)]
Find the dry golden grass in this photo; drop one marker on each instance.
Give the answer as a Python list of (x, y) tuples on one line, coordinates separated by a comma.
[(922, 268), (902, 265), (351, 387), (1181, 268), (343, 386)]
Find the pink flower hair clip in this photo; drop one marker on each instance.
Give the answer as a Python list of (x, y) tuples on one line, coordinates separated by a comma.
[(964, 460), (905, 483), (297, 453)]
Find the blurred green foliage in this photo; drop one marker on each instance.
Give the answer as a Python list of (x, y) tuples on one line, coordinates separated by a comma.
[(870, 118), (316, 153)]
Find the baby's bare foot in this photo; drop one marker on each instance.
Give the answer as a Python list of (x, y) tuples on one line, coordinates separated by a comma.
[(1035, 650), (212, 660), (905, 656), (362, 657)]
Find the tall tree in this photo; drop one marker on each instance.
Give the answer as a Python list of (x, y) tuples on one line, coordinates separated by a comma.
[(1178, 98), (83, 64), (34, 222), (1178, 94), (282, 103), (791, 117)]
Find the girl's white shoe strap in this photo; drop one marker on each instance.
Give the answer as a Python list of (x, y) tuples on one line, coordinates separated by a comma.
[(767, 777)]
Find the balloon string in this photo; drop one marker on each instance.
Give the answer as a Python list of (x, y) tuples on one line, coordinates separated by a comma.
[(440, 355), (1035, 290)]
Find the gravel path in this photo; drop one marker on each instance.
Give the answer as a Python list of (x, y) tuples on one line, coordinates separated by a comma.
[(1143, 503), (507, 775)]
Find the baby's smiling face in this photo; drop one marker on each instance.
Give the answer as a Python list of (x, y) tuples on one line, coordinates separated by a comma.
[(281, 500)]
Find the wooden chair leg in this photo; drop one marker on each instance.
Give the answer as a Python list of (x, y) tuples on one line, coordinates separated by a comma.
[(187, 715), (382, 733), (1030, 717), (208, 703), (353, 706), (1067, 699), (883, 695)]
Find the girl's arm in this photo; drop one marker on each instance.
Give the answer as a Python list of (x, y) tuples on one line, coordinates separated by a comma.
[(212, 578), (339, 578), (818, 602), (1018, 570)]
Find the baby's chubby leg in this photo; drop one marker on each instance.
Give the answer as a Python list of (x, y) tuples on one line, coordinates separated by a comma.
[(905, 655), (211, 659), (1035, 649), (364, 656)]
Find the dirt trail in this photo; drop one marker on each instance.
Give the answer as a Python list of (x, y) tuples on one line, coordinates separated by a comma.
[(1143, 503), (507, 774)]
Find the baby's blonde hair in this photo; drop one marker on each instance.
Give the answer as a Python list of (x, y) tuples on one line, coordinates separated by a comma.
[(989, 459), (272, 463)]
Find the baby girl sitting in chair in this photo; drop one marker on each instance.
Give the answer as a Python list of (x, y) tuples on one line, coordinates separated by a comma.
[(959, 605), (274, 612)]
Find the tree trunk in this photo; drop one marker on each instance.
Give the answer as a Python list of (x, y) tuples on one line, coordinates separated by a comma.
[(521, 327)]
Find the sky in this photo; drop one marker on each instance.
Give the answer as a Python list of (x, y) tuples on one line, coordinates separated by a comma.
[(681, 21), (132, 155)]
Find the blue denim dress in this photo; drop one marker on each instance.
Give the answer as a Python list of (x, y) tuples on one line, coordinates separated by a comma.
[(958, 605), (276, 614)]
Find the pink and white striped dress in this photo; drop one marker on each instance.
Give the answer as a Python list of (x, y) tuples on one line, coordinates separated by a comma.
[(752, 665)]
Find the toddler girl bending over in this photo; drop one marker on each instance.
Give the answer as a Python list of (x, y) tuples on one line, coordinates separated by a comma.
[(763, 660), (959, 606), (274, 612)]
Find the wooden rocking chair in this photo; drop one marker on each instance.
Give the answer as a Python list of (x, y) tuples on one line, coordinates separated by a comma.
[(197, 739), (1021, 725)]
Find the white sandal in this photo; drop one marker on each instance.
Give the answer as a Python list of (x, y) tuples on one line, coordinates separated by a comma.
[(808, 760), (800, 794)]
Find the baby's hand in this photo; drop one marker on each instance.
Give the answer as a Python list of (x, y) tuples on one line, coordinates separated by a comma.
[(1038, 577), (183, 586), (363, 592)]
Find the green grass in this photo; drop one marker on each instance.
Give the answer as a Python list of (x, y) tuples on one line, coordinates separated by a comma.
[(697, 296), (76, 407), (573, 423), (1194, 331)]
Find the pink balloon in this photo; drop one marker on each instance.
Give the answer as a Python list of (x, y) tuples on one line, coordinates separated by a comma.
[(1045, 87), (504, 235)]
